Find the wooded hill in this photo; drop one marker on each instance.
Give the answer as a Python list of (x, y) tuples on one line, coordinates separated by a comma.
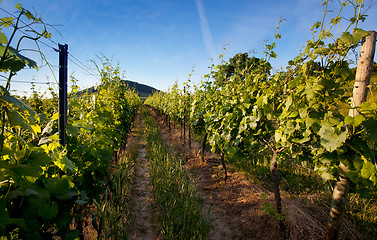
[(142, 90)]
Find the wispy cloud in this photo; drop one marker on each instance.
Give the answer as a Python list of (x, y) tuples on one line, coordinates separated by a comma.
[(206, 32)]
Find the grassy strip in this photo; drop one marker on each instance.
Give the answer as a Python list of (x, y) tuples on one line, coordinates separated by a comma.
[(113, 214), (179, 208)]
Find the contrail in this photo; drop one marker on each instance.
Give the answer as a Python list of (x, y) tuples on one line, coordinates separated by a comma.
[(206, 32)]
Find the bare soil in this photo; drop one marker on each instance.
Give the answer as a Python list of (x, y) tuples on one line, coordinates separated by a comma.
[(144, 225)]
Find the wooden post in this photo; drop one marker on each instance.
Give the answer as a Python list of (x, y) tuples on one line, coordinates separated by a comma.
[(363, 72), (204, 145), (189, 133), (222, 158), (276, 182)]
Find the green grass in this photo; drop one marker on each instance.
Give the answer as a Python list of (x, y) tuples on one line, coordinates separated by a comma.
[(179, 207), (113, 213)]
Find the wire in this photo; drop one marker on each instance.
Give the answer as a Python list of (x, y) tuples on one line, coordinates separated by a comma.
[(38, 40), (27, 26), (76, 61), (81, 65), (21, 81), (28, 35)]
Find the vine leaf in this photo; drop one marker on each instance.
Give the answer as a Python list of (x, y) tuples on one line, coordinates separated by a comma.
[(330, 140), (3, 40), (65, 164), (18, 6), (6, 21), (368, 171), (5, 219)]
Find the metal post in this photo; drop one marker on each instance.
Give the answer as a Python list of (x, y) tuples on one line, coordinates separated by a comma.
[(184, 116), (63, 79)]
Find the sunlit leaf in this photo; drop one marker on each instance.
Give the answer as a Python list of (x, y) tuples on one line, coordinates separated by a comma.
[(3, 40), (18, 6), (330, 140), (359, 34), (6, 21), (64, 164)]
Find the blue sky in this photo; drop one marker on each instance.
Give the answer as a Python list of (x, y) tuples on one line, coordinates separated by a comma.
[(160, 42)]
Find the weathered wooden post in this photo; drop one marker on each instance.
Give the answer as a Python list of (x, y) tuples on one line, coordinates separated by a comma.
[(363, 73)]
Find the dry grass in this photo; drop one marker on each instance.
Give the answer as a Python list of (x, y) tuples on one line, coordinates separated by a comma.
[(309, 221)]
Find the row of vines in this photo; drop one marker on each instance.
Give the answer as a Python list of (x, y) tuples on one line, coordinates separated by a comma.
[(43, 185), (298, 116)]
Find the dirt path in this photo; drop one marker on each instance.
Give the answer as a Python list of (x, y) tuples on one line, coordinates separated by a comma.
[(144, 225), (236, 207)]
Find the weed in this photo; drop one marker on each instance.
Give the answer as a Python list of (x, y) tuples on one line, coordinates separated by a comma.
[(179, 208)]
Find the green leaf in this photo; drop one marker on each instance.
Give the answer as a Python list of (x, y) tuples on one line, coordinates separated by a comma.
[(72, 235), (55, 116), (17, 120), (72, 130), (347, 37), (290, 128), (357, 163), (330, 140), (303, 112), (19, 104), (13, 65), (367, 107), (49, 211), (29, 15), (6, 21), (25, 60), (358, 120), (81, 202), (3, 39), (46, 34), (348, 120), (321, 50), (336, 20), (30, 173), (368, 170), (64, 164), (371, 129), (57, 186), (18, 6), (278, 136), (316, 25), (5, 219), (359, 34), (68, 195), (37, 157)]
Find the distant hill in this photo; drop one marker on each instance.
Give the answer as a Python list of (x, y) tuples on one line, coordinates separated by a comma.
[(143, 90)]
